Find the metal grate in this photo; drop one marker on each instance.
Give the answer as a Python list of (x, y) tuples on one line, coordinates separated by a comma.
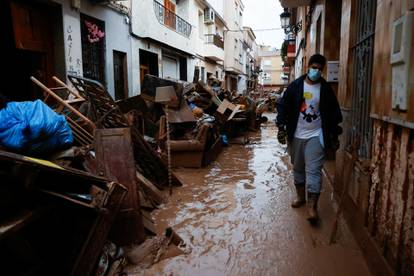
[(93, 49), (363, 52)]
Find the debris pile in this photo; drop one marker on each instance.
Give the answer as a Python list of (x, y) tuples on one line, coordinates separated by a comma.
[(97, 169)]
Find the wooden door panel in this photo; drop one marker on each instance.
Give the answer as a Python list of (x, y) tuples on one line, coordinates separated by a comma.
[(30, 27)]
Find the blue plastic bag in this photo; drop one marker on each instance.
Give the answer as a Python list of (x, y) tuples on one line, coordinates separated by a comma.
[(224, 140), (34, 128)]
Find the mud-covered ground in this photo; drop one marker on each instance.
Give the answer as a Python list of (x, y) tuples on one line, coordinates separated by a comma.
[(236, 218)]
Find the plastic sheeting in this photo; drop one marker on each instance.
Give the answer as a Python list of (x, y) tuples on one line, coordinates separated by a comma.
[(34, 128)]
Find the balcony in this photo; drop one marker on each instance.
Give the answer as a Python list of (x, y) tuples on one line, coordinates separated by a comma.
[(291, 51), (294, 3), (214, 47), (215, 39), (171, 20)]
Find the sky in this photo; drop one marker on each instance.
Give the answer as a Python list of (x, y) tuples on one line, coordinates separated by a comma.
[(264, 14)]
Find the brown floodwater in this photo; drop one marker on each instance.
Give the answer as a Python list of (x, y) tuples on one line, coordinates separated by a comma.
[(236, 219)]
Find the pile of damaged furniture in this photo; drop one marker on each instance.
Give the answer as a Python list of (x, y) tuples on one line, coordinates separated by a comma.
[(202, 120), (81, 173)]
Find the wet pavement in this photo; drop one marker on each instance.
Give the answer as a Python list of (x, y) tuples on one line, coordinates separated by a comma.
[(236, 218)]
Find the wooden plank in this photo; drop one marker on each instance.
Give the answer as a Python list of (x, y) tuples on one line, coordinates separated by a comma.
[(146, 203), (15, 223), (150, 189), (115, 160), (149, 226), (57, 176), (91, 205), (92, 248), (147, 215)]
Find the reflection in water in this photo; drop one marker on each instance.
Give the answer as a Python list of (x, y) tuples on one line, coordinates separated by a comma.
[(236, 217)]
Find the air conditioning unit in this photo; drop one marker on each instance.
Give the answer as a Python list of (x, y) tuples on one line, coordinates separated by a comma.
[(209, 16)]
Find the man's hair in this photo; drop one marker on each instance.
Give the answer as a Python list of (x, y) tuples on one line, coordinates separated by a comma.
[(317, 58)]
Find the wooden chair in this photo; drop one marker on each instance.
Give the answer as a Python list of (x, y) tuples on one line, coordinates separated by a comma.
[(67, 101)]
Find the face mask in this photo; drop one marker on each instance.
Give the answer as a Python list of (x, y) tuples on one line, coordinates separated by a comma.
[(314, 74)]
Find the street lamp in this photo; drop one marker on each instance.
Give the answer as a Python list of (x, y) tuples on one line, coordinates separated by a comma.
[(285, 19), (285, 23)]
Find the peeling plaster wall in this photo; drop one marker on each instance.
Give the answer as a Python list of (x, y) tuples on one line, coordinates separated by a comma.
[(390, 217), (380, 196)]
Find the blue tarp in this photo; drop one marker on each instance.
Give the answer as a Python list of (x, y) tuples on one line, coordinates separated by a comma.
[(34, 128)]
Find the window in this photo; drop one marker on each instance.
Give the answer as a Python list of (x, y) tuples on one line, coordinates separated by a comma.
[(202, 72), (363, 52), (93, 47), (201, 24), (235, 43), (240, 18)]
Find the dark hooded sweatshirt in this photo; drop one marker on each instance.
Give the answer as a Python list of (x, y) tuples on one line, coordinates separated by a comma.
[(288, 109)]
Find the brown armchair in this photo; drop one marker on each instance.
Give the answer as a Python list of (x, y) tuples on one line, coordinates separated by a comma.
[(190, 153)]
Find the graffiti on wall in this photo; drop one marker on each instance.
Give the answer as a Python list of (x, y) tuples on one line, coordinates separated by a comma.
[(73, 63)]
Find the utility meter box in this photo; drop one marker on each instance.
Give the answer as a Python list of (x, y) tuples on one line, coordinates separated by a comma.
[(400, 60), (333, 71)]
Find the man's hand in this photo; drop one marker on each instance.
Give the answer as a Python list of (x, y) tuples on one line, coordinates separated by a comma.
[(281, 135)]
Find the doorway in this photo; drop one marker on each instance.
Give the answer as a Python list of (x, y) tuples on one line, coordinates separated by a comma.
[(183, 68), (170, 67), (120, 75), (30, 37), (148, 64)]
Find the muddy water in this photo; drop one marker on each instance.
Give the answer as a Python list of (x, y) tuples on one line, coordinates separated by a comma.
[(235, 215)]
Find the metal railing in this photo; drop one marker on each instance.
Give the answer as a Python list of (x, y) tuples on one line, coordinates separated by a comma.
[(214, 39), (171, 20)]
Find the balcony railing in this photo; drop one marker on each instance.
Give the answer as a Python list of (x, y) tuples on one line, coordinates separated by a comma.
[(214, 39), (171, 20)]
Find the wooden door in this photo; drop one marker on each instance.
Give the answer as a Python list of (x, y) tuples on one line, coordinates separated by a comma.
[(169, 18), (144, 70), (115, 156), (33, 38)]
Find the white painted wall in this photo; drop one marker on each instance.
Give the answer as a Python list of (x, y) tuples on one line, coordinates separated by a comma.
[(183, 9), (146, 25), (218, 6), (117, 37), (231, 62)]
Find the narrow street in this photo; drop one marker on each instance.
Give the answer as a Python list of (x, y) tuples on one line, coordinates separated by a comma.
[(138, 137), (236, 218)]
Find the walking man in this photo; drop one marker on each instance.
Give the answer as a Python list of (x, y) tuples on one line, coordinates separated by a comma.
[(307, 119)]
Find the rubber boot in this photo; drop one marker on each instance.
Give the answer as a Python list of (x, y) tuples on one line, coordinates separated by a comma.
[(312, 206), (300, 196)]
